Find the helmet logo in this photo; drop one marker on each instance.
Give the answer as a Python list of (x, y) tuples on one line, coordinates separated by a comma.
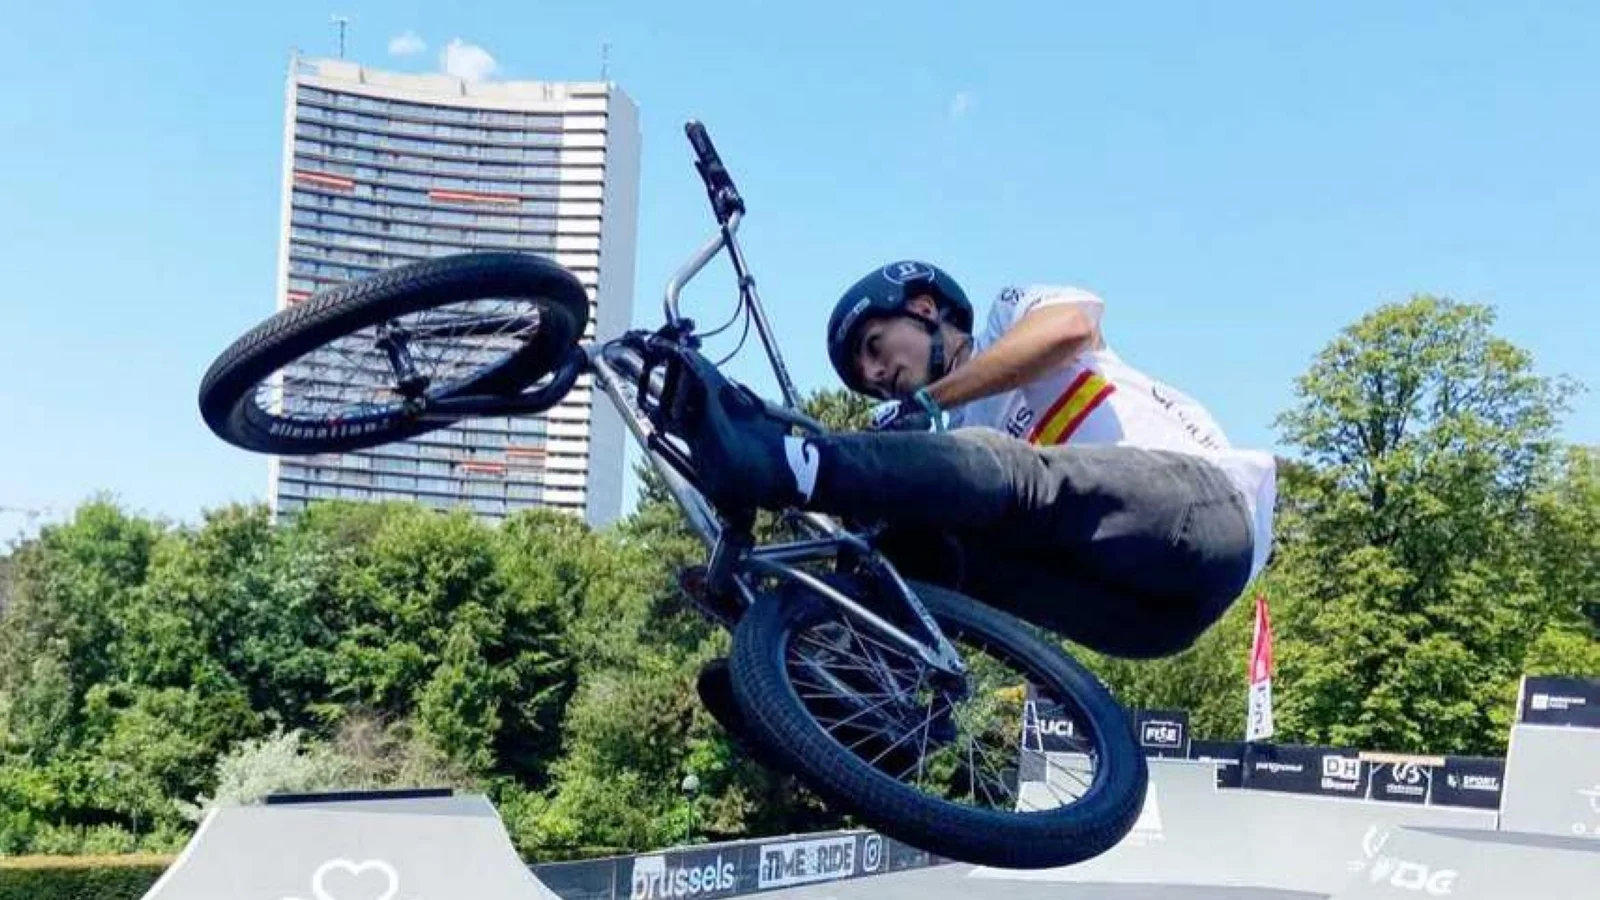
[(903, 272), (850, 318)]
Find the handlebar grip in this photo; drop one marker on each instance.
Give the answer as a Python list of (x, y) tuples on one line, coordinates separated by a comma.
[(725, 199)]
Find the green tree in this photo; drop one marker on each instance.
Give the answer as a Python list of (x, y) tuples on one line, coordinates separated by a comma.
[(438, 615), (1410, 604), (133, 655), (839, 409), (1565, 553)]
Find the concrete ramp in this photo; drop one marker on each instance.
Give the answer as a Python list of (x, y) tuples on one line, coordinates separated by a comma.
[(1474, 865), (365, 848), (1553, 782), (1193, 833)]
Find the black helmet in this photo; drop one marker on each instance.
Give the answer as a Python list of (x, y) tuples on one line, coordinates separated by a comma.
[(885, 292)]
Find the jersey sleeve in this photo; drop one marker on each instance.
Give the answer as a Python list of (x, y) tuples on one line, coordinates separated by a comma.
[(1015, 302)]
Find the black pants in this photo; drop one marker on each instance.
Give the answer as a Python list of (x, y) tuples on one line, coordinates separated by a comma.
[(1129, 552)]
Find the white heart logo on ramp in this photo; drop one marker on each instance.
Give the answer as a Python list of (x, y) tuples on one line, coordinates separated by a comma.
[(357, 871)]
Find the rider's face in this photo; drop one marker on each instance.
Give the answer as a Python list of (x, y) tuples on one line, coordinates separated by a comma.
[(892, 353)]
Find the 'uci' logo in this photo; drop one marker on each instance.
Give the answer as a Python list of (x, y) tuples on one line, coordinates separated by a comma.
[(902, 272)]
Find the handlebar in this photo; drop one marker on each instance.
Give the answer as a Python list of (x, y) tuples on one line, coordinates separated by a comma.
[(725, 199)]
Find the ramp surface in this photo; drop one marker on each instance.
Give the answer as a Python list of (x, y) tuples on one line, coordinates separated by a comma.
[(1193, 833), (1553, 782), (1472, 865), (404, 849)]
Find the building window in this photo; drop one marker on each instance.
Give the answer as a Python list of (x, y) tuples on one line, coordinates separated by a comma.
[(397, 482)]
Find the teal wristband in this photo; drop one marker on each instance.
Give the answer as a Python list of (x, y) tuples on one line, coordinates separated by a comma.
[(930, 406)]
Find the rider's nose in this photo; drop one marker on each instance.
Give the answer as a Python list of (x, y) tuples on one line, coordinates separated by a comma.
[(874, 372)]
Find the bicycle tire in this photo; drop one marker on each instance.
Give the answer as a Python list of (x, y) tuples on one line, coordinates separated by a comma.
[(226, 400), (1023, 840)]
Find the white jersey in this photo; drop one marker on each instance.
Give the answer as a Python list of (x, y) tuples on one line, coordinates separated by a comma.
[(1097, 398)]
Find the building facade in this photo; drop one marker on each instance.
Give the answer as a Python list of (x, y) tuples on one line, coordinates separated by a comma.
[(382, 169)]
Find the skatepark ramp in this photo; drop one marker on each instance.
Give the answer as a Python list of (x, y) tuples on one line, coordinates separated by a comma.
[(1302, 822), (1193, 832), (1557, 731), (1393, 839), (397, 846), (1476, 865), (436, 845)]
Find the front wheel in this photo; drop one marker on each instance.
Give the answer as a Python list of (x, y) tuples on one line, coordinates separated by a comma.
[(1025, 762), (357, 365)]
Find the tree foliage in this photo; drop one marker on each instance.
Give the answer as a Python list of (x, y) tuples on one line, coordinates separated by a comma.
[(1415, 579)]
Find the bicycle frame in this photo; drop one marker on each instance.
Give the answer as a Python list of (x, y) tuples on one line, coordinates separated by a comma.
[(731, 551), (618, 367)]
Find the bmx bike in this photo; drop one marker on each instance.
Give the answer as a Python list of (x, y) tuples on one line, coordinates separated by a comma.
[(934, 718)]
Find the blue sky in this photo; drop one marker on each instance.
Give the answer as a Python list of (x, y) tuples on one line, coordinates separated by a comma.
[(1238, 180)]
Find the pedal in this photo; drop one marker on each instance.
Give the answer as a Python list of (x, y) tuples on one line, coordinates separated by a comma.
[(724, 608)]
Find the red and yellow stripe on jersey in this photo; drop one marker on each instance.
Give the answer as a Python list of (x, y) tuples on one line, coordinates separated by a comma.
[(1086, 392)]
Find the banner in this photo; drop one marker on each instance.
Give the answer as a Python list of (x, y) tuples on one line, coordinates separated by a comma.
[(717, 871), (683, 874), (1228, 757), (1259, 722), (580, 880), (1328, 771), (1163, 732), (1046, 726), (791, 863), (1469, 781), (1400, 780), (1560, 701)]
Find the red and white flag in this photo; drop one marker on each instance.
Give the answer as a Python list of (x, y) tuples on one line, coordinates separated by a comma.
[(1259, 724)]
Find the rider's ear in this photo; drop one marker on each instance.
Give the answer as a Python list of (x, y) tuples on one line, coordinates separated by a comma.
[(924, 306)]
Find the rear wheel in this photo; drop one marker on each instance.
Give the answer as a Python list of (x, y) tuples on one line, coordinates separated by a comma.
[(1025, 762), (357, 365)]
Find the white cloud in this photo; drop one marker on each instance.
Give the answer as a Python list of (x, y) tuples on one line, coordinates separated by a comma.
[(961, 103), (467, 61), (407, 44)]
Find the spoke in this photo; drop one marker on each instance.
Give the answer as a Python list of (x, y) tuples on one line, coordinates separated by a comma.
[(879, 732), (822, 644), (350, 376), (898, 741), (997, 771), (1073, 773), (894, 649), (971, 767), (858, 714), (837, 696), (978, 779), (876, 700), (922, 752), (825, 673), (837, 667), (875, 660)]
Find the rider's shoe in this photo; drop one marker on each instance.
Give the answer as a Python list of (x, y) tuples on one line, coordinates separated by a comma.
[(740, 452)]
